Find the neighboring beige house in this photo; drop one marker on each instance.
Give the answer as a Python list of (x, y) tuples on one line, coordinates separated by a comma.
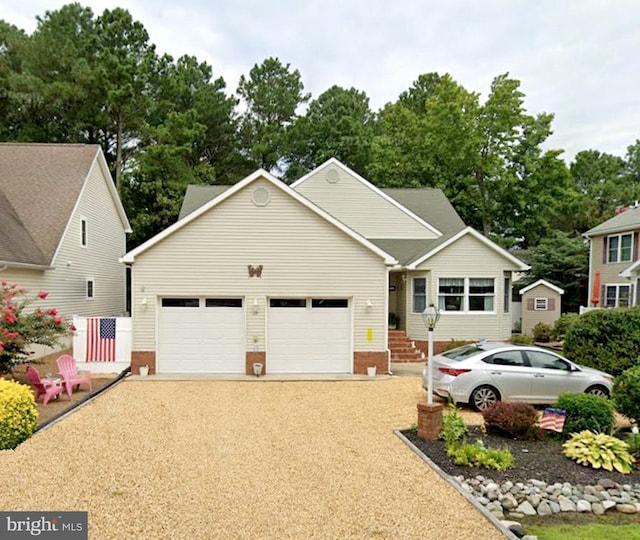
[(614, 265), (541, 303), (302, 278), (62, 227)]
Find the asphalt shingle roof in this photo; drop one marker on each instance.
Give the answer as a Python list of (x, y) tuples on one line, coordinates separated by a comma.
[(625, 221), (39, 187)]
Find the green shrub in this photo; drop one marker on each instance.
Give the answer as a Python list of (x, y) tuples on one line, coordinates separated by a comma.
[(626, 393), (561, 326), (521, 339), (634, 444), (514, 419), (477, 455), (599, 451), (18, 414), (453, 428), (606, 339), (542, 332), (586, 412)]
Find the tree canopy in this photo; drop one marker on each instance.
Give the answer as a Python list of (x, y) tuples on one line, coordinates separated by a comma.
[(164, 123)]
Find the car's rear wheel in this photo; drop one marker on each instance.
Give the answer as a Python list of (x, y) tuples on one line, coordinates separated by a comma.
[(597, 390), (483, 397)]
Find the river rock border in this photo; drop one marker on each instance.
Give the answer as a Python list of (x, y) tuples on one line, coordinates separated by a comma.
[(511, 500)]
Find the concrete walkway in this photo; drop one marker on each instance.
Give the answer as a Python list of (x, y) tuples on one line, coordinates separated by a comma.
[(226, 459)]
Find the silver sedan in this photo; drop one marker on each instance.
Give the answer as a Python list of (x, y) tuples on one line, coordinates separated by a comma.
[(482, 373)]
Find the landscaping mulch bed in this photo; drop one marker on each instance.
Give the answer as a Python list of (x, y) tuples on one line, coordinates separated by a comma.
[(57, 406), (538, 460)]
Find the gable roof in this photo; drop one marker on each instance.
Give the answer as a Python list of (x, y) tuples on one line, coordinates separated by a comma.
[(364, 182), (542, 282), (259, 174), (430, 204), (468, 231), (197, 195), (40, 185), (625, 221)]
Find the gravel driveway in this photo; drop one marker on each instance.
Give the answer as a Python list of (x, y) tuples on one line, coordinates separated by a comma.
[(224, 459)]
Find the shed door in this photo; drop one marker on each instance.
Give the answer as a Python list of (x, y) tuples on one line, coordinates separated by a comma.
[(201, 335), (311, 335)]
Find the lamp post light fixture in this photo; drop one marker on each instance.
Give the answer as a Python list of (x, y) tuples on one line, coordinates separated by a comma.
[(430, 316)]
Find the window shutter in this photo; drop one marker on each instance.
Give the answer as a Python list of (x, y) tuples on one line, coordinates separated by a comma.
[(636, 238), (604, 249), (530, 304), (551, 304), (603, 300)]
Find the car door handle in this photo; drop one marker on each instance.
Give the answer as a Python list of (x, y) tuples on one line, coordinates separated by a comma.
[(496, 373), (538, 375)]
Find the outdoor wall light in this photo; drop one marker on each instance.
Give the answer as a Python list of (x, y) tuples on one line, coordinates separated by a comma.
[(143, 302), (255, 306), (369, 305)]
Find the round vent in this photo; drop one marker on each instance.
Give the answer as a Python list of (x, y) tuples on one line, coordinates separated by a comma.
[(260, 196), (332, 176)]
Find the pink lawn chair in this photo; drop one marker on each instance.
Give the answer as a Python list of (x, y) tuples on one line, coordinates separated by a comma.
[(48, 391), (69, 372)]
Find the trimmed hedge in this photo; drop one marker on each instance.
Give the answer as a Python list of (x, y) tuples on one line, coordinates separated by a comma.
[(606, 339), (626, 393), (586, 411)]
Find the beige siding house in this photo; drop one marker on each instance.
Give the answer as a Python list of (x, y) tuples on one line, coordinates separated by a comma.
[(614, 262), (302, 278), (541, 303), (62, 227)]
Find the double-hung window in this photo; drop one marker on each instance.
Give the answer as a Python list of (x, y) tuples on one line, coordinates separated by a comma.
[(419, 294), (466, 294), (619, 248), (617, 295), (451, 294)]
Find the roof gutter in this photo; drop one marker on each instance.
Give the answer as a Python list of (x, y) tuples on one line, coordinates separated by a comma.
[(28, 266)]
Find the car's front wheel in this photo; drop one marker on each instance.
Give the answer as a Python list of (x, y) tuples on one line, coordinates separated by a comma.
[(483, 397), (597, 390)]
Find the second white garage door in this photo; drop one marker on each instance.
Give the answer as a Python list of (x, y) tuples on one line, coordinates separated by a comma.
[(201, 335), (309, 335)]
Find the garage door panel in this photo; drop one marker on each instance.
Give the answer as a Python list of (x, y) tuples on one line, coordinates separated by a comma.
[(310, 339), (205, 339)]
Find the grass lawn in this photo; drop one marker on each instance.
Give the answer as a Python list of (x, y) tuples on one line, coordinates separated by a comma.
[(585, 527)]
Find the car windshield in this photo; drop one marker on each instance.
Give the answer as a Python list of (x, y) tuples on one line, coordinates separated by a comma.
[(461, 353)]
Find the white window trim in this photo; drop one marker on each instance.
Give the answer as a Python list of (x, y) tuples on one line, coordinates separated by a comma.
[(619, 248), (84, 232), (93, 288), (541, 304), (465, 296)]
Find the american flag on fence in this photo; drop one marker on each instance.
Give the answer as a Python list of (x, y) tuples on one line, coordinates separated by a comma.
[(101, 340), (553, 419)]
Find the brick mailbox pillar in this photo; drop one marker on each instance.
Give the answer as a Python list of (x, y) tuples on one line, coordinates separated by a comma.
[(429, 420)]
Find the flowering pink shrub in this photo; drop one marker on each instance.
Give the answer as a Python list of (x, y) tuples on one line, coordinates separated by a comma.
[(22, 326)]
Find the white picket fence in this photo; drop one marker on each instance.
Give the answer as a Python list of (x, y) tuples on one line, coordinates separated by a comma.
[(122, 347)]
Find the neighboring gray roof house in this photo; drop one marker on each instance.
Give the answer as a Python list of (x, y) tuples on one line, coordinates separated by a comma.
[(61, 225), (614, 261)]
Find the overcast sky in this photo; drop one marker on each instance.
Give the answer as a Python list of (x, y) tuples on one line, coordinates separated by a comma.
[(578, 59)]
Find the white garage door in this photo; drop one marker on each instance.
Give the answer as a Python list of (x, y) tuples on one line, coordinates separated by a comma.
[(311, 335), (201, 335)]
